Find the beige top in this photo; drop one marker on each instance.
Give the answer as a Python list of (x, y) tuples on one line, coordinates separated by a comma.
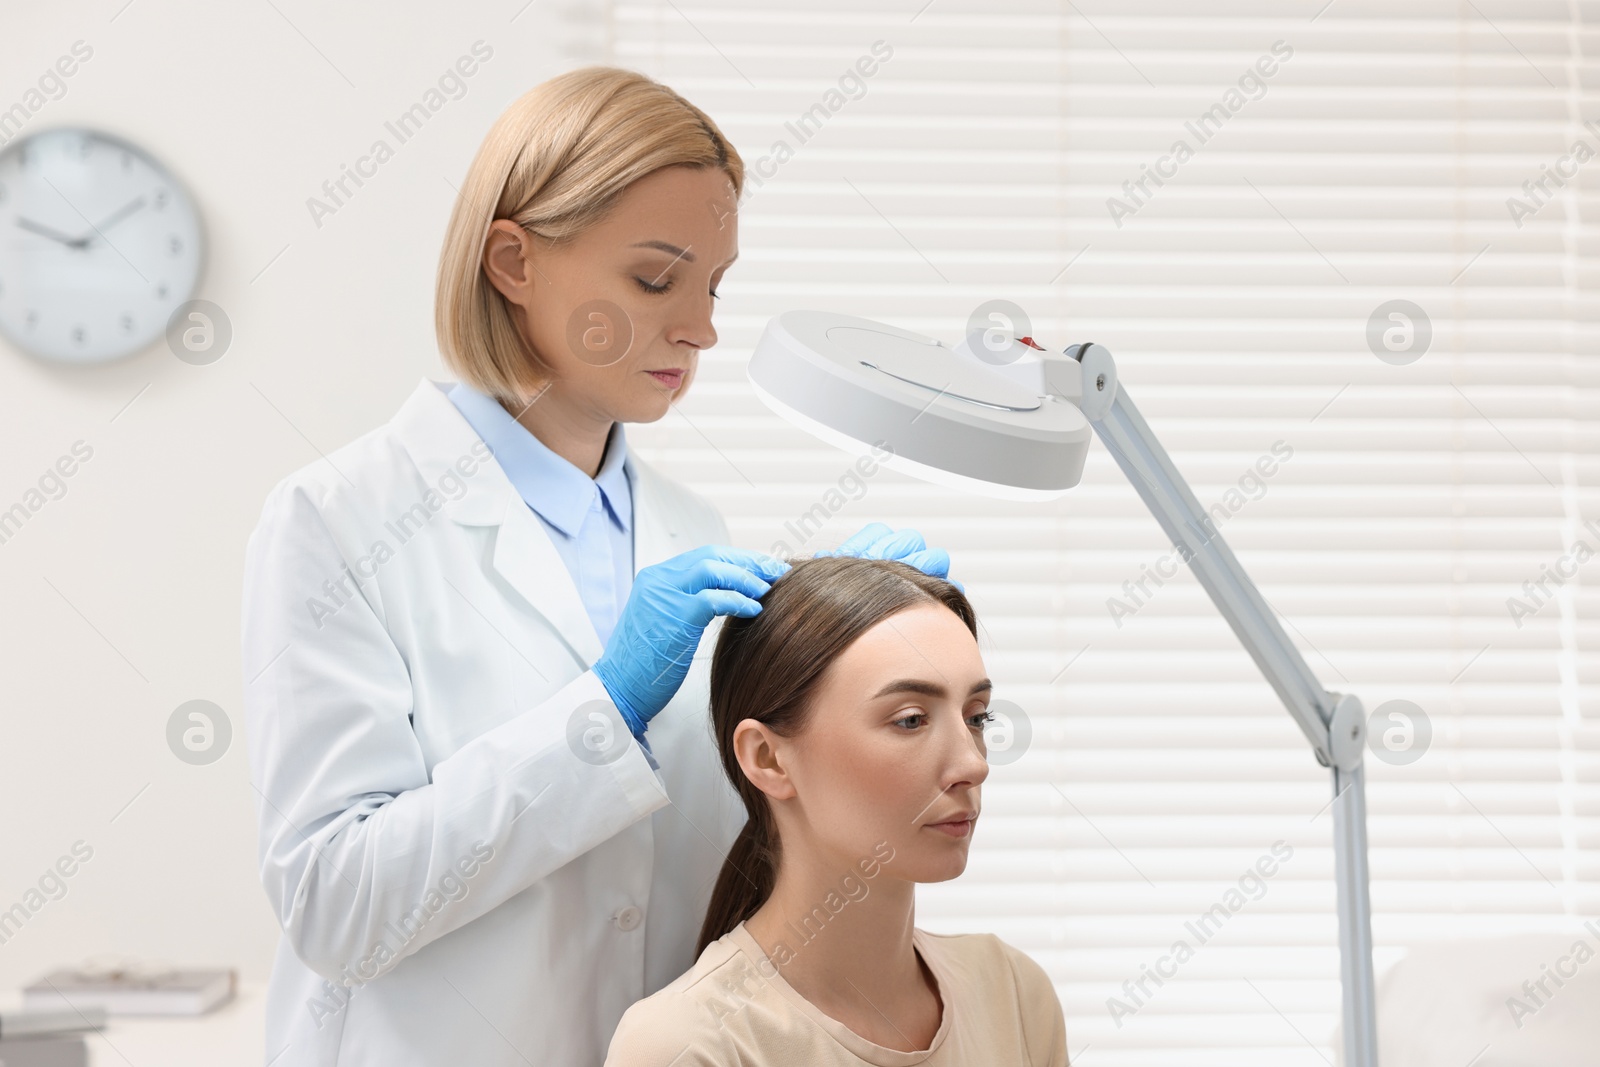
[(733, 1007)]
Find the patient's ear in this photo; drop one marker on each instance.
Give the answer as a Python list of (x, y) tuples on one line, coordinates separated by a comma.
[(759, 752)]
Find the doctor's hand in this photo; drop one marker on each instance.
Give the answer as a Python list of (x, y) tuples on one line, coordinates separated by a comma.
[(877, 541), (667, 611)]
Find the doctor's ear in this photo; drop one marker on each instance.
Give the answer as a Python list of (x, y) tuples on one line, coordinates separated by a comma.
[(509, 253), (760, 754)]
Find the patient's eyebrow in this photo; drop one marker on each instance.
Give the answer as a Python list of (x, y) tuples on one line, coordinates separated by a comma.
[(927, 688), (670, 249)]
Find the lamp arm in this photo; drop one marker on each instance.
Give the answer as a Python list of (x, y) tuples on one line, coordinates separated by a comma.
[(1199, 542), (1332, 722)]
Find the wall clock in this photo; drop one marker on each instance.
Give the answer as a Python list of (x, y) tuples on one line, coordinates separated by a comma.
[(99, 244)]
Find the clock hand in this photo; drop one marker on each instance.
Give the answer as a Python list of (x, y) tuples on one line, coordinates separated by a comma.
[(117, 216), (45, 231)]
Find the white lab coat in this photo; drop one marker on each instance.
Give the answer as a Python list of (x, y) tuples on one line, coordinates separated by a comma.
[(418, 797)]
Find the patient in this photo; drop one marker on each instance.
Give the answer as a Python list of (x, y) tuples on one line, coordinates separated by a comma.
[(850, 715)]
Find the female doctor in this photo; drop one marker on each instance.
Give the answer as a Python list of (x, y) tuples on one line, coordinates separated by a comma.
[(490, 808)]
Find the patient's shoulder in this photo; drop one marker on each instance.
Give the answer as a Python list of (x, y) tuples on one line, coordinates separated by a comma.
[(1008, 981), (980, 956), (684, 1023)]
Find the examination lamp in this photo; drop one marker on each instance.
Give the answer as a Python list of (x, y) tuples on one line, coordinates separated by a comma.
[(1002, 417)]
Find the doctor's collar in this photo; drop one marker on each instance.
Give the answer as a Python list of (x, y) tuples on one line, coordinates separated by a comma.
[(549, 483)]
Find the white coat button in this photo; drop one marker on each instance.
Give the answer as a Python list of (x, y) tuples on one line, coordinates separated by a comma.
[(628, 918)]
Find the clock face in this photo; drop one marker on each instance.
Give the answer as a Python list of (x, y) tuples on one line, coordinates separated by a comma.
[(98, 246)]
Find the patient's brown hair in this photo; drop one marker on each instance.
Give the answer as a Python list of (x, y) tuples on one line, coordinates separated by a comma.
[(768, 667)]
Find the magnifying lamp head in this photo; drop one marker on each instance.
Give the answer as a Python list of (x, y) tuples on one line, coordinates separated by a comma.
[(999, 423)]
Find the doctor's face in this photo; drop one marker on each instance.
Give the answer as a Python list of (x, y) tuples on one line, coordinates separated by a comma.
[(628, 298), (892, 749)]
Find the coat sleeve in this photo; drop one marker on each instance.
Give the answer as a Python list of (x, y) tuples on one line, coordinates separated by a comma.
[(354, 835)]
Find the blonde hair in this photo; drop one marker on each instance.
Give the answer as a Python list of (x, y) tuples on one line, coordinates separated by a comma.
[(555, 163)]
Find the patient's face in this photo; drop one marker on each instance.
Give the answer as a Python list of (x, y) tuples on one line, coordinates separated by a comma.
[(873, 766)]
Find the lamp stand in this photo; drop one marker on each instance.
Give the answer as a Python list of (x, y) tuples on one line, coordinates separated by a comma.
[(1332, 722)]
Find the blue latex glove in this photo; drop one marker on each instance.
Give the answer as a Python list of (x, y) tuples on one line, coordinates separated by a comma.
[(877, 541), (668, 609)]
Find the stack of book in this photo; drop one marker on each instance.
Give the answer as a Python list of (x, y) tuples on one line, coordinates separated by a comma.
[(132, 991), (36, 1037), (60, 1009)]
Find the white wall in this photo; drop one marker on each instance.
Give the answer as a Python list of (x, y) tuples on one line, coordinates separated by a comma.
[(147, 543)]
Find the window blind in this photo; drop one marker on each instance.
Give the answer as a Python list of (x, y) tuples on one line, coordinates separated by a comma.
[(1390, 474)]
